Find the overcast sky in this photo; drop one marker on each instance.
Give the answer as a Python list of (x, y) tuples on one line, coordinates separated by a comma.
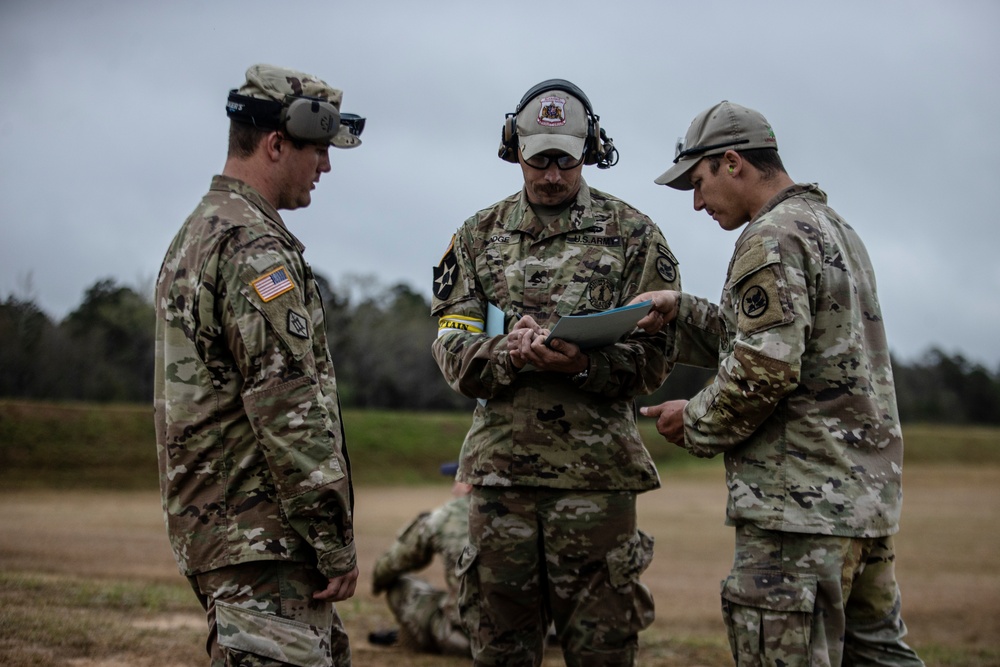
[(112, 122)]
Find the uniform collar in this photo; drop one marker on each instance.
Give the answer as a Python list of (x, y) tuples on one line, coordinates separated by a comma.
[(222, 183), (577, 216)]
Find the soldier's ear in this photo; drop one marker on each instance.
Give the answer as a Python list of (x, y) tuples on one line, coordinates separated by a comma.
[(274, 143), (732, 162)]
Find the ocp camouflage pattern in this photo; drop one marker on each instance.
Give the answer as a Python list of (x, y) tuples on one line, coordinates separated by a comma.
[(804, 404), (252, 459), (541, 428), (429, 615), (798, 599), (264, 615)]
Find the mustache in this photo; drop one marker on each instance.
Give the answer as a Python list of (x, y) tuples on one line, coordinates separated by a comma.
[(551, 188)]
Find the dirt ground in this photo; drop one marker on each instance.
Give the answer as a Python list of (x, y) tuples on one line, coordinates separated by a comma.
[(948, 562)]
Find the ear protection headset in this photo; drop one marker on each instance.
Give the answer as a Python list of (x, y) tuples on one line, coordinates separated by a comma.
[(599, 148), (309, 119)]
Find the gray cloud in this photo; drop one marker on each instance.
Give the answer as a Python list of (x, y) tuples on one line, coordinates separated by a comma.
[(112, 124)]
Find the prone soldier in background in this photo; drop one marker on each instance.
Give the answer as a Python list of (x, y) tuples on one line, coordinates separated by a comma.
[(427, 615)]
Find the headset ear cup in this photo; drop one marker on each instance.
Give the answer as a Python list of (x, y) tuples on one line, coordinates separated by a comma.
[(594, 149), (508, 139)]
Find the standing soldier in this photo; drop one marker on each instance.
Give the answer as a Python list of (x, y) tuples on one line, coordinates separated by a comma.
[(254, 472), (803, 407), (553, 453)]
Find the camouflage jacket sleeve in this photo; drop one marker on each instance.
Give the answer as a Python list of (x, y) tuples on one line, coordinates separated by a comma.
[(698, 332), (766, 320), (413, 550), (289, 391)]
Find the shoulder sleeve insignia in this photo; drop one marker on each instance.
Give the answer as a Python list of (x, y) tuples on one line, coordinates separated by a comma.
[(298, 325), (444, 272), (666, 263), (273, 284)]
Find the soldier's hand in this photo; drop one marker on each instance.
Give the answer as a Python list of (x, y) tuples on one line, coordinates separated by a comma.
[(339, 588), (665, 306), (669, 419), (559, 356), (519, 340)]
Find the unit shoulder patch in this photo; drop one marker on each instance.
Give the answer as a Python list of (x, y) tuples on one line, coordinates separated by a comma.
[(444, 273), (298, 325)]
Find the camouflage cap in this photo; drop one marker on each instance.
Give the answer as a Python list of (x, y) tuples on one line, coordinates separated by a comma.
[(726, 126), (553, 119), (270, 82)]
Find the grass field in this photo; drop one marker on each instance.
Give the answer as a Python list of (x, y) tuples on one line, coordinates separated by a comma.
[(87, 579)]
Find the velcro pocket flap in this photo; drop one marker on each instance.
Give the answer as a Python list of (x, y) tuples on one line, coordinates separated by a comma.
[(271, 636), (777, 591)]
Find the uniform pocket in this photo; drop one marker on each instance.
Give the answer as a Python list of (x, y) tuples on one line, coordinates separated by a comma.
[(628, 561), (769, 616), (469, 597), (261, 634)]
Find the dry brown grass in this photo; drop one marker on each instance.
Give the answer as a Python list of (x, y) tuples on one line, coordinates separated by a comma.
[(88, 579)]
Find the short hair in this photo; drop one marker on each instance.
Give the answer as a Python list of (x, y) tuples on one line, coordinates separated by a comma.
[(765, 160), (244, 139)]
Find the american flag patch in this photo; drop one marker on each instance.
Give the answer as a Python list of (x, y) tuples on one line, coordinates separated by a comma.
[(273, 284)]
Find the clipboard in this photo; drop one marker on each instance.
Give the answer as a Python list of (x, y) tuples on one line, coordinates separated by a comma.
[(599, 329)]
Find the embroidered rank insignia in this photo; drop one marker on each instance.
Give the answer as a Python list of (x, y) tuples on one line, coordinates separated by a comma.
[(273, 284), (298, 325), (444, 273)]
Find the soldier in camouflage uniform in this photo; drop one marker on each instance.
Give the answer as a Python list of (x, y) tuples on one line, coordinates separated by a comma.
[(553, 453), (254, 471), (429, 616), (802, 407)]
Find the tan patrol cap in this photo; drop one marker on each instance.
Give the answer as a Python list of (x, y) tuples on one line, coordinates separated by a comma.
[(726, 126), (553, 119), (270, 82)]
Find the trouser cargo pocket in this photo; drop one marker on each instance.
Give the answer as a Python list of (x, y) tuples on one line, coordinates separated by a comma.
[(248, 632), (769, 616)]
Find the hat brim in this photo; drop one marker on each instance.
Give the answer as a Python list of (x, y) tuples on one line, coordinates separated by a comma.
[(677, 176), (344, 139), (533, 144)]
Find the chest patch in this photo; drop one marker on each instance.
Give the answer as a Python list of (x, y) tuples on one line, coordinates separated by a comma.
[(591, 239), (601, 293)]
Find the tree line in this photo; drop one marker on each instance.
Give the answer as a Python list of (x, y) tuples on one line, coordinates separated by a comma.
[(380, 339)]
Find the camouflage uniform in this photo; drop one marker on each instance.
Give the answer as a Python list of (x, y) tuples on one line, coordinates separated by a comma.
[(804, 409), (548, 449), (253, 466), (428, 615)]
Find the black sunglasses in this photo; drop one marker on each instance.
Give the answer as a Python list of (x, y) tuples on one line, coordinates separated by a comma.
[(355, 124), (681, 152)]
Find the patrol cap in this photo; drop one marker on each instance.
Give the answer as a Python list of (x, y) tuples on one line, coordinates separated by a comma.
[(283, 85), (726, 126), (553, 119)]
